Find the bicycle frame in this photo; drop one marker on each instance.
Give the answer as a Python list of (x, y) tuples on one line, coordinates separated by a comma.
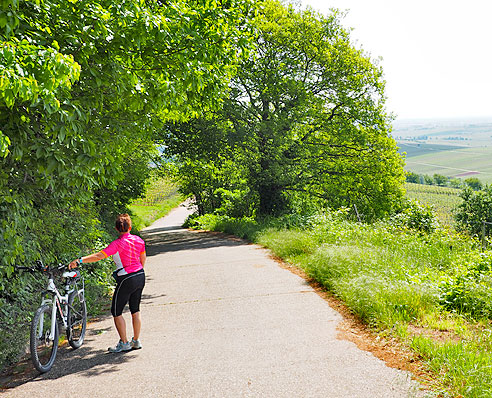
[(57, 301)]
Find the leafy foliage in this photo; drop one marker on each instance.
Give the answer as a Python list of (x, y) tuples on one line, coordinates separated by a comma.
[(84, 87), (416, 216), (305, 117), (474, 214), (474, 183), (468, 288)]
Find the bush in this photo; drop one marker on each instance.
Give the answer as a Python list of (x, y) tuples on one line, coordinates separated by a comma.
[(474, 210), (468, 289), (412, 177), (417, 216), (474, 183), (53, 233), (236, 203)]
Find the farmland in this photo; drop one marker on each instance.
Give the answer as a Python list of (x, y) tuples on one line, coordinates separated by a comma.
[(452, 148)]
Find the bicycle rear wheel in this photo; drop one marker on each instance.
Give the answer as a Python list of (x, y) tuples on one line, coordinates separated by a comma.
[(77, 319), (43, 349)]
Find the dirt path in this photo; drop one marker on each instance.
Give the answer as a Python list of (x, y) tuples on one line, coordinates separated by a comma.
[(220, 319)]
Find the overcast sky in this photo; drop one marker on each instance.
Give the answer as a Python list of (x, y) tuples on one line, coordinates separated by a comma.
[(437, 54)]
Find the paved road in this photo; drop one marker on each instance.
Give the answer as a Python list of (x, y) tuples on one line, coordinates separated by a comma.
[(220, 319)]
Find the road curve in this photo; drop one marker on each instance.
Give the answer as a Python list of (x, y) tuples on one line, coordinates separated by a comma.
[(220, 319)]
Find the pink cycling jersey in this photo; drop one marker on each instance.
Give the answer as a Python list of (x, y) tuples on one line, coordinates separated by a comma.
[(126, 252)]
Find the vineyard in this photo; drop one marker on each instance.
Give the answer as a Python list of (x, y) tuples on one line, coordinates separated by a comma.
[(443, 199)]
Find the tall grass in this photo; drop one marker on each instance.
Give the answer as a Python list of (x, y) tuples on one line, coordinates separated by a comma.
[(398, 281), (161, 197)]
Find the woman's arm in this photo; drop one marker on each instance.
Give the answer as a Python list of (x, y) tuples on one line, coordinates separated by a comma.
[(143, 258), (91, 258)]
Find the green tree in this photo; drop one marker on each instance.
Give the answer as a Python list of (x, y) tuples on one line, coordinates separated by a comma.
[(84, 86), (475, 209), (428, 180), (306, 111), (210, 164), (440, 180), (474, 183), (455, 183), (412, 177)]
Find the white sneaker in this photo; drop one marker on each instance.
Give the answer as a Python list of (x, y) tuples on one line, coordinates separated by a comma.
[(136, 345), (120, 347)]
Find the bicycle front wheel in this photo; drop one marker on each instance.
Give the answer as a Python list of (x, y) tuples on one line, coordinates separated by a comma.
[(43, 346), (77, 319)]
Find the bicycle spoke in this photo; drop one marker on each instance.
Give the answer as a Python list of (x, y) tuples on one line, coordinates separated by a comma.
[(77, 320), (43, 345)]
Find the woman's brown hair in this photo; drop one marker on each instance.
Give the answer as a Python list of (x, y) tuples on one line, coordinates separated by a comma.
[(123, 223)]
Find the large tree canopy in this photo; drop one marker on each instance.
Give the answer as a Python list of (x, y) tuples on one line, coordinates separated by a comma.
[(305, 117), (85, 84)]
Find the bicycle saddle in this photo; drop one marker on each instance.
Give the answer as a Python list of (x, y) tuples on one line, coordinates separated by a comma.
[(71, 274)]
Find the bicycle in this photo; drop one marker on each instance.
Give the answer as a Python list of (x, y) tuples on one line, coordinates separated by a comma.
[(69, 310)]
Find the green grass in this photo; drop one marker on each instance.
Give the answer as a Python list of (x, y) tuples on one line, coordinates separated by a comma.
[(162, 196), (398, 281)]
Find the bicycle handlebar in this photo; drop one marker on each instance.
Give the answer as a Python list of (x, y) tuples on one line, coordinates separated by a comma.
[(39, 266)]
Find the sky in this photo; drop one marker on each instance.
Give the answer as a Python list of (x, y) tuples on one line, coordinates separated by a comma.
[(436, 54)]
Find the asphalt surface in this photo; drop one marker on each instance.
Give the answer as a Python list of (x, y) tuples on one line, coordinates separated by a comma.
[(220, 319)]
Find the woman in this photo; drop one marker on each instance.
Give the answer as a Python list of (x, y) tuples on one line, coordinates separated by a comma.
[(128, 253)]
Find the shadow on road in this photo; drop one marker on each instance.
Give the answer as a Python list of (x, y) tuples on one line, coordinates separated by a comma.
[(149, 298), (161, 241), (86, 361), (162, 229)]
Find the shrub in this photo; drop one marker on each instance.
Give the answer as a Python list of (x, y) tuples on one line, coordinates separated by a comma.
[(474, 210), (474, 183), (412, 177), (417, 216), (236, 203), (468, 289)]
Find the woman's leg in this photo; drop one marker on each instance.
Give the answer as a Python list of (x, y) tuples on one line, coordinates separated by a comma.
[(134, 303), (120, 324), (137, 324)]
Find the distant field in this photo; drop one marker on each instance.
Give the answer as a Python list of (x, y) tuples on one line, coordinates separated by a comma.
[(461, 163), (454, 148), (416, 148), (444, 199)]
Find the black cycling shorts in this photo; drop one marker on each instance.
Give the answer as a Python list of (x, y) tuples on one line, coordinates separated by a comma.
[(128, 290)]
